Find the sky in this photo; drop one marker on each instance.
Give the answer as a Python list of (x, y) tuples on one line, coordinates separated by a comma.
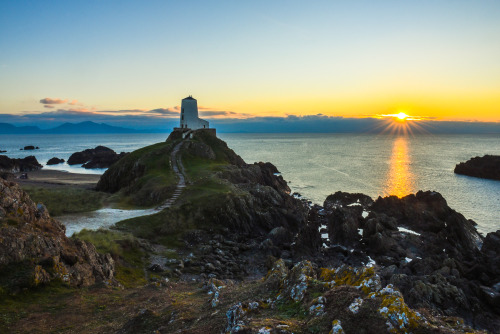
[(126, 60)]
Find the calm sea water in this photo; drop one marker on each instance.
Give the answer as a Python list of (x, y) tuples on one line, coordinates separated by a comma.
[(317, 165)]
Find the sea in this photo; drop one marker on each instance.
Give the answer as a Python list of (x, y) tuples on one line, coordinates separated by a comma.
[(316, 164)]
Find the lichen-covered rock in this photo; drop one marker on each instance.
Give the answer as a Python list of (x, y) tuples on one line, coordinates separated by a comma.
[(275, 278), (337, 327), (298, 280), (35, 250)]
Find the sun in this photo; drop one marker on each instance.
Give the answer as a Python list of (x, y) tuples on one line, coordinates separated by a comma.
[(401, 116)]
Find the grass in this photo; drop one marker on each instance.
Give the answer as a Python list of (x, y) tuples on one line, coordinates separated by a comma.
[(64, 200), (165, 227), (13, 307), (128, 255), (142, 178)]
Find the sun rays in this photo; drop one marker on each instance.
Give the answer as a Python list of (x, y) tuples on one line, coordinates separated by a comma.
[(401, 123)]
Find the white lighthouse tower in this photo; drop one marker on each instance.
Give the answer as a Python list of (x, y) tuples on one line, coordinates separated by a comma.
[(189, 115)]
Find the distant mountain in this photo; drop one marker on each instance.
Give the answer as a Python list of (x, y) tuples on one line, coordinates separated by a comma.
[(7, 129), (87, 127), (66, 128)]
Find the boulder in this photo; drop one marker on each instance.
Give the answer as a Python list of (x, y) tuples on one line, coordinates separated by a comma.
[(29, 147), (347, 199), (54, 161)]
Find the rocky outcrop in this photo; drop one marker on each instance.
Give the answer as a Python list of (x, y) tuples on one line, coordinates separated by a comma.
[(99, 157), (54, 161), (27, 164), (34, 249), (30, 147), (430, 252), (486, 167)]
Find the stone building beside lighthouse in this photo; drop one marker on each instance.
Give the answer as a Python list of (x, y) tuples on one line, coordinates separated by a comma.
[(189, 115)]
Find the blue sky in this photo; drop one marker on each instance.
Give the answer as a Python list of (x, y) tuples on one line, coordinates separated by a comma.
[(434, 59)]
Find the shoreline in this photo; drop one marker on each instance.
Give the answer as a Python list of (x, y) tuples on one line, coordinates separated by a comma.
[(57, 178)]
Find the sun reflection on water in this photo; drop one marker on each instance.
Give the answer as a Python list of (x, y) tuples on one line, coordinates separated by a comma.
[(400, 180)]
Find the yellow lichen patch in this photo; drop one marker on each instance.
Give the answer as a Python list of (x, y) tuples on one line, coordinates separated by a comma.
[(364, 278), (60, 271), (39, 275)]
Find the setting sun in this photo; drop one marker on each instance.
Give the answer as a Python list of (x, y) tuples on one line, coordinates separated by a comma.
[(402, 116)]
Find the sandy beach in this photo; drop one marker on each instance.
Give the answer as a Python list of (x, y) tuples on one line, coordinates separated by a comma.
[(55, 178)]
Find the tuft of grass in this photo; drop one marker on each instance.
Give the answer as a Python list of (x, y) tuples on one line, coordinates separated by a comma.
[(290, 309), (64, 200), (125, 249)]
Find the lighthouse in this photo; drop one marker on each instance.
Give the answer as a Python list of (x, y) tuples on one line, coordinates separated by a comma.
[(189, 115)]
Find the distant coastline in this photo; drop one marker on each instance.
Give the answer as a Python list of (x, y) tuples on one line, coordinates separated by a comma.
[(305, 124)]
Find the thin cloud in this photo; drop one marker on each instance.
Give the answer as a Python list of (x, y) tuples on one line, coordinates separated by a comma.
[(48, 100), (166, 111), (48, 106), (222, 113)]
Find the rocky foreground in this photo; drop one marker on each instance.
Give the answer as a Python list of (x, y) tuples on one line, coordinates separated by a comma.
[(486, 167), (35, 251), (237, 253)]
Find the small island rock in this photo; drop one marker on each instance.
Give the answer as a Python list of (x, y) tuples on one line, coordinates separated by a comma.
[(55, 161), (27, 164), (99, 157), (487, 167)]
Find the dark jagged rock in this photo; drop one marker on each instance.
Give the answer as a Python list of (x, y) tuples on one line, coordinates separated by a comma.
[(27, 164), (422, 246), (99, 157), (343, 225), (258, 173), (486, 167), (29, 147), (54, 161), (34, 249), (344, 199), (86, 155), (435, 254)]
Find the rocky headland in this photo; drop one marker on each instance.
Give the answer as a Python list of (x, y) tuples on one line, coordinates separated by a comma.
[(236, 252), (486, 167)]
